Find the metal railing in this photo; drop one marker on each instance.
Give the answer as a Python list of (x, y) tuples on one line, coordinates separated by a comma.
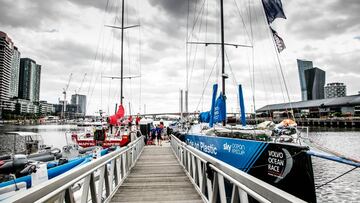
[(217, 181), (96, 181)]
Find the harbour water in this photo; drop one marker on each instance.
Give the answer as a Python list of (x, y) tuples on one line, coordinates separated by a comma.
[(344, 141)]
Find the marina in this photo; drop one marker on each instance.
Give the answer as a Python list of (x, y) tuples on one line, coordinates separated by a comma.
[(341, 189), (238, 134)]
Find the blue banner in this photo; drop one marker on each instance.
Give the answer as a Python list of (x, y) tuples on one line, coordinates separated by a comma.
[(211, 122), (242, 106), (220, 109), (241, 154)]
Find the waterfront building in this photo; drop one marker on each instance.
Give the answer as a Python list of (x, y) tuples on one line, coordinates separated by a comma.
[(348, 105), (315, 82), (335, 89), (80, 101), (24, 106), (29, 80), (15, 71), (46, 108), (302, 66), (6, 51)]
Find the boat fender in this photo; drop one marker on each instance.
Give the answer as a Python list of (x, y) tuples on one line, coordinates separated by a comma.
[(55, 151)]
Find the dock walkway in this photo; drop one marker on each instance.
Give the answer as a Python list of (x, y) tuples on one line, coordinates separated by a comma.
[(157, 177)]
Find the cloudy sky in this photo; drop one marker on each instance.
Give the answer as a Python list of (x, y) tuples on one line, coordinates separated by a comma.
[(69, 36)]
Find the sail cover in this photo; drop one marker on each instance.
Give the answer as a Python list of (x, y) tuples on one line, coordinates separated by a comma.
[(273, 9), (113, 120)]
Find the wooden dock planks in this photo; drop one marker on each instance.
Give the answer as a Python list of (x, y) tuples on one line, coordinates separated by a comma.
[(157, 177)]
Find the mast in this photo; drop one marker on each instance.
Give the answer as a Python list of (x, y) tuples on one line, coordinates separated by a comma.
[(122, 52), (222, 50)]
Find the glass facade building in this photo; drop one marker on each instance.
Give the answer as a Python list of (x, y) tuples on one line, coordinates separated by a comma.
[(29, 80), (302, 66), (315, 82), (80, 101)]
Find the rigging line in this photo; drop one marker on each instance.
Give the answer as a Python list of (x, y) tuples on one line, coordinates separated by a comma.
[(253, 61), (204, 68), (207, 82), (139, 22), (271, 38), (197, 17), (317, 187), (187, 46), (243, 22), (111, 70), (97, 50), (196, 48), (233, 77), (279, 64)]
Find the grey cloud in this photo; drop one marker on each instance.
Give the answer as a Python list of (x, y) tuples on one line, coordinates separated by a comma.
[(70, 53), (324, 20), (100, 4), (357, 37), (175, 8), (29, 14)]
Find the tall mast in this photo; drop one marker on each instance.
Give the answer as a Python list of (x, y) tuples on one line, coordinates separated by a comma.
[(222, 50), (122, 53)]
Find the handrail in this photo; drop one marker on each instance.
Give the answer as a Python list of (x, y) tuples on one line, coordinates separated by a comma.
[(208, 175), (112, 169)]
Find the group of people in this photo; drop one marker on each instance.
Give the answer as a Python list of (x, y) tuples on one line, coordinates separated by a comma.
[(157, 134)]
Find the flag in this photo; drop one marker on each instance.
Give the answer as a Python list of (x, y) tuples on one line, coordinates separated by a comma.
[(278, 41), (273, 9)]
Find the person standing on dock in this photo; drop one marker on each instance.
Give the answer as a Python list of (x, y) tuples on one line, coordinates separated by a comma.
[(158, 135)]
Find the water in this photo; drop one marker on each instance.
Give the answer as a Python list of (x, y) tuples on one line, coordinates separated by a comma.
[(347, 187), (346, 142)]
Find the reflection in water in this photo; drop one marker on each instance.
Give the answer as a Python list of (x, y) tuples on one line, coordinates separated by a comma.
[(344, 189)]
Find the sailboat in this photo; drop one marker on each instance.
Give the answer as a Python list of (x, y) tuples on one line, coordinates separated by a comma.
[(118, 131), (285, 165)]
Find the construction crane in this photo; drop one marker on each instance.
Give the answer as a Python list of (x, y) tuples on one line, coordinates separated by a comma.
[(81, 84), (64, 92)]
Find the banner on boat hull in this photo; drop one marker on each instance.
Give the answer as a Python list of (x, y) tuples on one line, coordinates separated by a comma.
[(287, 167)]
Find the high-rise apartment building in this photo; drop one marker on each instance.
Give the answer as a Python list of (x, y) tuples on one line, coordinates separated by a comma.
[(315, 82), (29, 80), (80, 101), (302, 66), (335, 89), (6, 51), (15, 70)]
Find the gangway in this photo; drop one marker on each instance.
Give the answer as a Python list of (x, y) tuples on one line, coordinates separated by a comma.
[(176, 172)]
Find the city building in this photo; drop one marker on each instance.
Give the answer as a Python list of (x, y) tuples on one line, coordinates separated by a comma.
[(335, 89), (315, 82), (80, 101), (15, 71), (348, 105), (46, 108), (24, 106), (302, 66), (6, 52), (29, 80)]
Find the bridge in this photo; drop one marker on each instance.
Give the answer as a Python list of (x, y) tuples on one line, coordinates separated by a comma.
[(174, 172)]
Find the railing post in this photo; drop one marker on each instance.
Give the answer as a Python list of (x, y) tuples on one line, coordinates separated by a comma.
[(85, 192), (101, 183)]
